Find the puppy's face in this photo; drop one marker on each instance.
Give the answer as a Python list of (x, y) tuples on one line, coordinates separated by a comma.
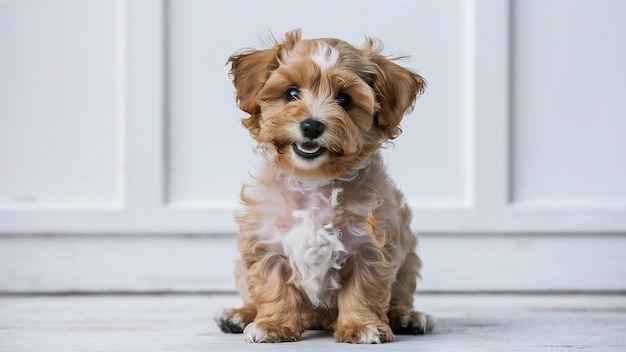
[(322, 105)]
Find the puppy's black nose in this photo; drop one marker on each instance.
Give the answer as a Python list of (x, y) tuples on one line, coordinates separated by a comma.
[(312, 128)]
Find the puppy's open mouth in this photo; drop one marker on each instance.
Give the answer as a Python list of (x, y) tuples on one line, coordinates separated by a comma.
[(308, 150)]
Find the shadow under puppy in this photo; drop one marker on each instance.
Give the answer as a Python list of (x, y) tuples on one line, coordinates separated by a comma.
[(324, 238)]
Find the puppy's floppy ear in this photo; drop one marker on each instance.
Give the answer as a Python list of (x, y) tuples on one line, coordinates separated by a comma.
[(249, 71), (396, 89)]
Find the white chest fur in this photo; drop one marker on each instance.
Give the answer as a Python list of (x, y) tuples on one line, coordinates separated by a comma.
[(313, 245)]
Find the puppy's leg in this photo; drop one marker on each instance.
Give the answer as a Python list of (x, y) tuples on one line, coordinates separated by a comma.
[(279, 305), (363, 300), (234, 320), (402, 318)]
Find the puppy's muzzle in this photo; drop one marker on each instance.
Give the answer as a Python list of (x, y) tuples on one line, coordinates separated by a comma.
[(310, 149)]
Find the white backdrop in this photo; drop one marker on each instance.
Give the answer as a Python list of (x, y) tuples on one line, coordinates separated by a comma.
[(118, 124)]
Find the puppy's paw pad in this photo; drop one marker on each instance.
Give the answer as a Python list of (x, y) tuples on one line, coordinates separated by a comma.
[(412, 323), (258, 332), (254, 334), (229, 321), (365, 334), (370, 335)]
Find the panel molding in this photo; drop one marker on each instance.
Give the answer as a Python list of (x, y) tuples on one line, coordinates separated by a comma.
[(147, 86), (492, 105)]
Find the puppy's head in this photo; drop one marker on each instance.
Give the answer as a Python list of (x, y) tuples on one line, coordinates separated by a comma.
[(323, 105)]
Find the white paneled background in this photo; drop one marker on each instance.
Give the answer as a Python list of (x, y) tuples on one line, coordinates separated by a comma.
[(122, 153)]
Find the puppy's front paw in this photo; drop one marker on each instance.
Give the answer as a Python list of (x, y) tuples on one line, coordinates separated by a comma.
[(410, 322), (230, 321), (267, 332), (366, 334)]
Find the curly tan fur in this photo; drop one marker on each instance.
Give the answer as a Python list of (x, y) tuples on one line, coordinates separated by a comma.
[(324, 238)]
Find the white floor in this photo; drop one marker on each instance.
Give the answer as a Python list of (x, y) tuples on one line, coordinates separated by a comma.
[(184, 323)]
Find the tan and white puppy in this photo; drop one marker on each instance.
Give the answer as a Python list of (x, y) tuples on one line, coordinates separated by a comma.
[(324, 238)]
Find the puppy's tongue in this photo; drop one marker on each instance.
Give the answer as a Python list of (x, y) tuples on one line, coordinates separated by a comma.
[(308, 147)]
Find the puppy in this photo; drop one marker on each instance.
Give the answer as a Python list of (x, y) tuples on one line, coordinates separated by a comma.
[(324, 238)]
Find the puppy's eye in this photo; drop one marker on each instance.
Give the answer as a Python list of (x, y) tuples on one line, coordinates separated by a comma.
[(344, 100), (293, 93)]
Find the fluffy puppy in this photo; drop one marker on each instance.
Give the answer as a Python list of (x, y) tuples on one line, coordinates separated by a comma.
[(324, 238)]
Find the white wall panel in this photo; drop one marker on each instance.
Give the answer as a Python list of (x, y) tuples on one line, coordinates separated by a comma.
[(206, 263), (61, 103), (139, 132), (210, 153), (569, 111)]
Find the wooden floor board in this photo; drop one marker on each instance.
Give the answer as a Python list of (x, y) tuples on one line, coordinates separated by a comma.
[(184, 323)]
